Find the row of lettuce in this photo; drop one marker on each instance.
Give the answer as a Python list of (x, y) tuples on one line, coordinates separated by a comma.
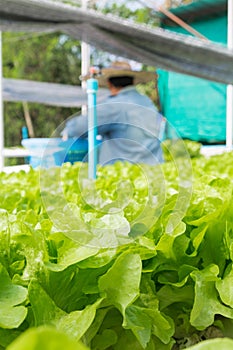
[(141, 258)]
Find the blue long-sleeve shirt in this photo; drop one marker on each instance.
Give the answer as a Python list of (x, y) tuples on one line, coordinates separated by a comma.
[(129, 124)]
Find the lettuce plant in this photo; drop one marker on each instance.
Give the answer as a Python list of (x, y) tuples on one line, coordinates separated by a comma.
[(140, 258)]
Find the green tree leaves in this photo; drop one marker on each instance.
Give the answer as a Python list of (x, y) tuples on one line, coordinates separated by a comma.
[(50, 57)]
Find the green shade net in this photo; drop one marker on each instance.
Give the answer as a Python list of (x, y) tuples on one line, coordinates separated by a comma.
[(194, 107)]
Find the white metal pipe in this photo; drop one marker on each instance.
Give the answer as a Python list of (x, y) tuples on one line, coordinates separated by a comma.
[(230, 24), (1, 111), (229, 102), (85, 58)]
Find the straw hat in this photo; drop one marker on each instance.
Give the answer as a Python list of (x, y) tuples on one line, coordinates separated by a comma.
[(119, 69)]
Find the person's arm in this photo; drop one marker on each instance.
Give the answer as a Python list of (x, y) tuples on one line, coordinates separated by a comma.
[(76, 127)]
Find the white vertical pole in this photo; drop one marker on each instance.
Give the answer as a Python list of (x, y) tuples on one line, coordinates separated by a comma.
[(85, 58), (1, 111), (229, 107)]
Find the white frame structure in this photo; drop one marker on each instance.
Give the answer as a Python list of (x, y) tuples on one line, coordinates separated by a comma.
[(229, 106)]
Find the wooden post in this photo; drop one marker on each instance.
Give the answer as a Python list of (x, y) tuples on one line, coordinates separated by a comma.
[(28, 120), (181, 23)]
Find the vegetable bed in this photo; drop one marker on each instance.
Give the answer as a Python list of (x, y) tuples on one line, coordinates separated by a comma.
[(139, 259)]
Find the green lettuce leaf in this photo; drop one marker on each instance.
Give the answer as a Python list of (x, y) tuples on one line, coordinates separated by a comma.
[(206, 302), (224, 287), (12, 314), (121, 283), (46, 338), (46, 312), (213, 344)]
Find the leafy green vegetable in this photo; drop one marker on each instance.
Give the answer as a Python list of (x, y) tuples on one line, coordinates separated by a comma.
[(173, 148), (206, 303), (46, 338), (121, 283), (141, 258), (213, 344), (11, 295)]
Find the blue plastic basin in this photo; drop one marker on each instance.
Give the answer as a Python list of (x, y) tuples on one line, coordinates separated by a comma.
[(48, 152)]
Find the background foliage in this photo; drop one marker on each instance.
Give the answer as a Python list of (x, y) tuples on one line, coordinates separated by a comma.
[(50, 58)]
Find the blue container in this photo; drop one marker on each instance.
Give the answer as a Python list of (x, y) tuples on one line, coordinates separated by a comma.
[(49, 152), (76, 150)]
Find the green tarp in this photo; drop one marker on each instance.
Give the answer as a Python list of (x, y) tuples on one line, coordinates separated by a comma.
[(194, 107)]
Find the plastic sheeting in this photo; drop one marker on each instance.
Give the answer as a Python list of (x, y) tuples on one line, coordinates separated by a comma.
[(47, 93), (153, 46)]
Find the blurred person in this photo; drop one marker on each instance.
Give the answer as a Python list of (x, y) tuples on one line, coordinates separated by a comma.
[(128, 122)]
